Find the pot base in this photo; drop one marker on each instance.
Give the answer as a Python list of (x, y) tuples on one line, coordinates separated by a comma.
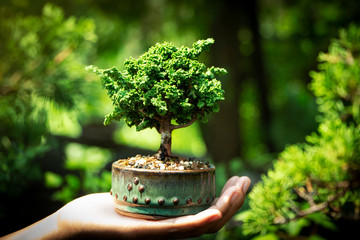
[(140, 216)]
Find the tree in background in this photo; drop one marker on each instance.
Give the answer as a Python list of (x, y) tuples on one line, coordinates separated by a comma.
[(318, 181)]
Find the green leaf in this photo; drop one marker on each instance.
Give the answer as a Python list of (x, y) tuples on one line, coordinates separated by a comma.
[(200, 104)]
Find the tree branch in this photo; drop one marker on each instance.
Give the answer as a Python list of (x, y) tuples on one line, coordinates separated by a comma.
[(313, 208), (322, 206), (173, 127), (146, 115), (305, 195)]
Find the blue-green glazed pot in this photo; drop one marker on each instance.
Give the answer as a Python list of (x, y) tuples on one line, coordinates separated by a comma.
[(156, 194)]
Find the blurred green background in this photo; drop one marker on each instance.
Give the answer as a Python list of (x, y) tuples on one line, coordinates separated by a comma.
[(53, 145)]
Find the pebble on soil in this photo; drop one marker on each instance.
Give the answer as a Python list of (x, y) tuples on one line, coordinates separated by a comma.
[(172, 163)]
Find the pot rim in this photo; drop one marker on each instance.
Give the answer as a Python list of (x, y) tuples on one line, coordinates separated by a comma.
[(117, 167)]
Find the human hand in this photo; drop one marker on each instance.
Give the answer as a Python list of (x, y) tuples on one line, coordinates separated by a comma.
[(93, 217)]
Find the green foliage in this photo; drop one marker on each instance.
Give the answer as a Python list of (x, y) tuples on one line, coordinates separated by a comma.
[(40, 62), (337, 85), (88, 176), (166, 82), (314, 181)]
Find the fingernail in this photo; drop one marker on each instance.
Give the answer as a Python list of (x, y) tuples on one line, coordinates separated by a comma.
[(246, 185), (235, 197), (214, 218)]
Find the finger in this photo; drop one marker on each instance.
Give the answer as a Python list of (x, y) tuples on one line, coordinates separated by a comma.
[(180, 227), (197, 225), (231, 203), (193, 226), (224, 206), (231, 182), (235, 184), (231, 191)]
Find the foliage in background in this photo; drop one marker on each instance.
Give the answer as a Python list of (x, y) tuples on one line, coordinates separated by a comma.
[(40, 66), (318, 181), (88, 175)]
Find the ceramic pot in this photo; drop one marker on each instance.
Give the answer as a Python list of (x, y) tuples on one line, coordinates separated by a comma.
[(154, 194)]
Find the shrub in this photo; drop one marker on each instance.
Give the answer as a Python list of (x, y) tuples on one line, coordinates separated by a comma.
[(318, 181)]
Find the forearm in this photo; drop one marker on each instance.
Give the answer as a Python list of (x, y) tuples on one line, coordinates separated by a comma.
[(46, 228)]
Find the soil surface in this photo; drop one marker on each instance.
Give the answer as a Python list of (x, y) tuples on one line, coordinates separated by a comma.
[(172, 163)]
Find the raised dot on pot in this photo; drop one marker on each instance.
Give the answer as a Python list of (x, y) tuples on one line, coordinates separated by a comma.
[(147, 201), (135, 199), (188, 201), (161, 201), (116, 196), (136, 180), (208, 199), (141, 188), (199, 200), (176, 201), (129, 187), (111, 192), (125, 198)]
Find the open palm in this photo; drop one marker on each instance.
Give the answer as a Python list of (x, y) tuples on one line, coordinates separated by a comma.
[(93, 216)]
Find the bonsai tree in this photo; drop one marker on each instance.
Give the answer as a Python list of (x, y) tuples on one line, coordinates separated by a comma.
[(166, 88)]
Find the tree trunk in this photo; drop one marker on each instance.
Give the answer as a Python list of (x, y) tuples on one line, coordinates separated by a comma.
[(165, 145)]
